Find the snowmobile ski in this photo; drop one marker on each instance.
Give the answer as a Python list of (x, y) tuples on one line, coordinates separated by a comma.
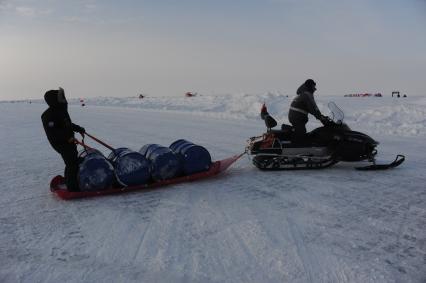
[(58, 188), (398, 161)]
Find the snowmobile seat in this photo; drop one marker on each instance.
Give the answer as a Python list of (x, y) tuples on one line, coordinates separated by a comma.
[(285, 134), (281, 135), (287, 128)]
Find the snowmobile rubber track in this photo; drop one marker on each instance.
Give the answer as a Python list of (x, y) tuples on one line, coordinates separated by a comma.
[(281, 163)]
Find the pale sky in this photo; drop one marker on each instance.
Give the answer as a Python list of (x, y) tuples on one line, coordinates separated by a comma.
[(165, 48)]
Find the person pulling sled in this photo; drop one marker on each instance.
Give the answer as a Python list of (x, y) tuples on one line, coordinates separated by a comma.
[(60, 133)]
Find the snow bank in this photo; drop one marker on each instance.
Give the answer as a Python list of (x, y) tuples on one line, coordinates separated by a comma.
[(402, 120), (237, 106), (379, 115)]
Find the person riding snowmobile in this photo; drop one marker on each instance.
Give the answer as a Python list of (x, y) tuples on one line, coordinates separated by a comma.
[(60, 133), (302, 105)]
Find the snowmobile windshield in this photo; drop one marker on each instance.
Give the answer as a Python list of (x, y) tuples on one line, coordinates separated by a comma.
[(337, 114)]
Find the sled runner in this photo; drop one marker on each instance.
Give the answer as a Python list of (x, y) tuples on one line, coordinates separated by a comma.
[(57, 185)]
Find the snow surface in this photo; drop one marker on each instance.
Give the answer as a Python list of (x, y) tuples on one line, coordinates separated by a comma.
[(332, 225)]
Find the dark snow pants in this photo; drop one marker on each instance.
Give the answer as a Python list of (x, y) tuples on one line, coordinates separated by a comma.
[(299, 121), (70, 156)]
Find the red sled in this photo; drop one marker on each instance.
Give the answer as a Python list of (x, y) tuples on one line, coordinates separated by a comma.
[(57, 184)]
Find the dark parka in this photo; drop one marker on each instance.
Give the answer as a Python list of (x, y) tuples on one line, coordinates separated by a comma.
[(60, 132), (302, 105), (305, 101), (57, 122)]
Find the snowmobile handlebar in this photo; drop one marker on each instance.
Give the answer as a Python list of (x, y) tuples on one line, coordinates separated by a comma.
[(327, 121)]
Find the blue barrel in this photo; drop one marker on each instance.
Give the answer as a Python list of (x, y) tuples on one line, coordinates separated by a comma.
[(178, 143), (194, 158), (164, 162), (96, 173), (148, 148), (131, 167)]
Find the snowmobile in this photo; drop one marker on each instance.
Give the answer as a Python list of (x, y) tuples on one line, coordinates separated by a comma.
[(325, 146)]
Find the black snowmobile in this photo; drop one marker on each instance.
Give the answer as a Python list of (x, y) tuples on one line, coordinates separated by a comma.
[(325, 146)]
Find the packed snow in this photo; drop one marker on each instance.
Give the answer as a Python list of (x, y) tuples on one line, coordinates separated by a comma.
[(330, 225)]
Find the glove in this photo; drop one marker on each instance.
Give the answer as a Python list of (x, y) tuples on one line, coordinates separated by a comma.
[(81, 130), (263, 112), (264, 109), (325, 120)]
